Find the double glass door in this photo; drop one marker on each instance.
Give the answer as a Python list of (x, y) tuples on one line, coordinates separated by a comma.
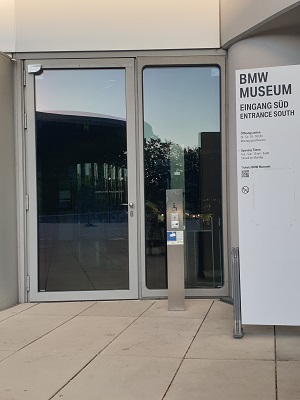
[(97, 171)]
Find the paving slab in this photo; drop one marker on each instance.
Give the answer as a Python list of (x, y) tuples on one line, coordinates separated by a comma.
[(256, 344), (59, 308), (124, 308), (194, 309), (20, 330), (122, 378), (288, 382), (217, 326), (221, 310), (223, 379), (82, 333), (28, 375), (4, 354), (155, 336), (219, 320), (288, 343), (10, 312)]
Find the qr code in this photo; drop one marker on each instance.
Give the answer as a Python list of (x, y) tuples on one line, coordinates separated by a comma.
[(245, 173)]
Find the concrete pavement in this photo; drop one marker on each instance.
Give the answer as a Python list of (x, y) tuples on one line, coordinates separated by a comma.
[(137, 350)]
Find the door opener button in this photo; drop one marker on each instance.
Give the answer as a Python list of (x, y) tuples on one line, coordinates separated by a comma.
[(174, 216)]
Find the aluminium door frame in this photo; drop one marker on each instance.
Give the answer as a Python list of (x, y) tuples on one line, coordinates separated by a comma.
[(31, 190), (184, 61), (87, 59)]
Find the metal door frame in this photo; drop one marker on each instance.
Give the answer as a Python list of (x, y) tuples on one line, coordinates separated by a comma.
[(31, 67), (184, 61), (133, 61)]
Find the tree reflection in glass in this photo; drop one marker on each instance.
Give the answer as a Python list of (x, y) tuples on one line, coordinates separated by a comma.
[(183, 158)]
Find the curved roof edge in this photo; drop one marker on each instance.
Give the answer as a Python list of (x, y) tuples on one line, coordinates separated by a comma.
[(255, 17)]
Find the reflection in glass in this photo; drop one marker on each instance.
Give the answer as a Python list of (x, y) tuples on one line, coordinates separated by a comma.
[(182, 150), (82, 180)]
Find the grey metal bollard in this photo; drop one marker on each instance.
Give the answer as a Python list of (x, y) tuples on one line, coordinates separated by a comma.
[(175, 250), (236, 293)]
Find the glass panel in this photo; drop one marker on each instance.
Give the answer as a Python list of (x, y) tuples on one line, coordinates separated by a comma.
[(81, 150), (182, 150)]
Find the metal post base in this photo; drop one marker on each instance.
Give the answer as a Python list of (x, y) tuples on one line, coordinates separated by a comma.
[(237, 330), (236, 293)]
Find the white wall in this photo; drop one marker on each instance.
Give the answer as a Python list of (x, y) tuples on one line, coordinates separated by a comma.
[(8, 220), (239, 16), (7, 26), (70, 25)]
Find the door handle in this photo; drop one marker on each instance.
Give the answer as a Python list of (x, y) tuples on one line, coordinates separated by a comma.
[(131, 205)]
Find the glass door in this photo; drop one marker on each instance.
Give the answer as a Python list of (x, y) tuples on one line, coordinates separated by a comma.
[(184, 148), (81, 177)]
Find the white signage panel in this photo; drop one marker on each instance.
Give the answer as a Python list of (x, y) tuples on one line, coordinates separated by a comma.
[(268, 151)]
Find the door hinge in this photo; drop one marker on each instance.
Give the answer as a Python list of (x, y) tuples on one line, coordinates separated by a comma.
[(27, 202), (24, 77), (25, 120), (27, 283)]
